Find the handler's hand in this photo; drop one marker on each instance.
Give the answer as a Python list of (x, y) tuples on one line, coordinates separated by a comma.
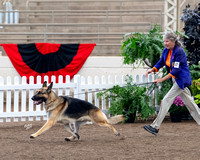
[(158, 81), (149, 71)]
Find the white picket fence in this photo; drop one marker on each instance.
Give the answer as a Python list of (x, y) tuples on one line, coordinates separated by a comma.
[(15, 95)]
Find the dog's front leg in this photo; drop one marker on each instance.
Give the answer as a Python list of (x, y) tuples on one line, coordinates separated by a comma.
[(46, 126)]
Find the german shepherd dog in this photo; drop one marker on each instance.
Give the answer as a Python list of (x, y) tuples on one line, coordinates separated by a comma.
[(68, 111)]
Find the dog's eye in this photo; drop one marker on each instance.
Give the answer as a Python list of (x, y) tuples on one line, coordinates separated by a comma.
[(38, 92)]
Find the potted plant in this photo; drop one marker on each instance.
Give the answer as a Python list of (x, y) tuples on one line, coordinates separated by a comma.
[(143, 48), (130, 100), (177, 109)]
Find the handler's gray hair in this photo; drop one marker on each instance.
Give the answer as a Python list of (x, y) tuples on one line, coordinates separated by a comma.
[(173, 37)]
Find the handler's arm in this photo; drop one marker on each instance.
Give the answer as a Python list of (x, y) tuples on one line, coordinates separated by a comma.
[(162, 79)]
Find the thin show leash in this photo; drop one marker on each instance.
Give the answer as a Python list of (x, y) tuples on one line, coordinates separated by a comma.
[(152, 87)]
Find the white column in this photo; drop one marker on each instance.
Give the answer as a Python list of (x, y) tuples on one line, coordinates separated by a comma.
[(8, 15), (170, 17), (1, 17), (16, 17)]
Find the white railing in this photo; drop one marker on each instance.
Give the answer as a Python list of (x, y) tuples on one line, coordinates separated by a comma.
[(51, 16), (15, 95)]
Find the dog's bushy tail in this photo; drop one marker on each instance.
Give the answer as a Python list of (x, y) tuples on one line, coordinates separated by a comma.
[(116, 119)]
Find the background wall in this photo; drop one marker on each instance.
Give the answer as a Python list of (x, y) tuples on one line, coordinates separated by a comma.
[(94, 65)]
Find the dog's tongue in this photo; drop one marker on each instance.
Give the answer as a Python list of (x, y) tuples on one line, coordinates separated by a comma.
[(36, 102)]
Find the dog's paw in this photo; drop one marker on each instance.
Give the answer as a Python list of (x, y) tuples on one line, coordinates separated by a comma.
[(32, 136), (67, 139), (118, 134), (77, 136)]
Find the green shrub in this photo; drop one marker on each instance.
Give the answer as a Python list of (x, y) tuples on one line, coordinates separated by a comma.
[(195, 87), (129, 99), (143, 48)]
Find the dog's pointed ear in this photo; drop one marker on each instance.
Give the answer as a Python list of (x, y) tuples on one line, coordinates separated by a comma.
[(50, 87), (44, 84)]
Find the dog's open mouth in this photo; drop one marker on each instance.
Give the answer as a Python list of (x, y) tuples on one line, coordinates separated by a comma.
[(37, 102)]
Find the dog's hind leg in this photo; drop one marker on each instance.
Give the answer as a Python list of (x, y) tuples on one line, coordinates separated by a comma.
[(100, 118), (74, 130), (74, 134), (77, 125), (106, 124), (70, 125)]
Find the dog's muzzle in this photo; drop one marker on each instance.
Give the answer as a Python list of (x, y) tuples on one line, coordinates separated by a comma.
[(37, 101)]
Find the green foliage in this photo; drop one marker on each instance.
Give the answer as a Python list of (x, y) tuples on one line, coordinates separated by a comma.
[(197, 100), (195, 74), (195, 71), (177, 109), (195, 88), (128, 99), (139, 47)]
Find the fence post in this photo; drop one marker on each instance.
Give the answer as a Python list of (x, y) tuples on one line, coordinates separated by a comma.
[(155, 93), (16, 97), (8, 99), (103, 101), (123, 79), (137, 79), (31, 93), (82, 91), (96, 82), (60, 81), (77, 80), (23, 97), (90, 94), (1, 97), (67, 90), (148, 85)]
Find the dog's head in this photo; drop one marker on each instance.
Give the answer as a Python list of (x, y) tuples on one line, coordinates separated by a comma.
[(42, 94)]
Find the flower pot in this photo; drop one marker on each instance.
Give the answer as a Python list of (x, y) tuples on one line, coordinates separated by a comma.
[(186, 115), (175, 116), (131, 117)]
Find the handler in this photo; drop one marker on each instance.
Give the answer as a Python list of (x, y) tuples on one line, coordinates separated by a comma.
[(175, 61)]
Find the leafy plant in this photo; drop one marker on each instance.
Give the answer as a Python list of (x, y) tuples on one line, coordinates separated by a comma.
[(191, 18), (140, 47), (195, 71), (195, 87), (178, 106), (129, 99)]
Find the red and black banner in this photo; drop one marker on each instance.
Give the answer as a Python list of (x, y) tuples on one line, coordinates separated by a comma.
[(48, 58)]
